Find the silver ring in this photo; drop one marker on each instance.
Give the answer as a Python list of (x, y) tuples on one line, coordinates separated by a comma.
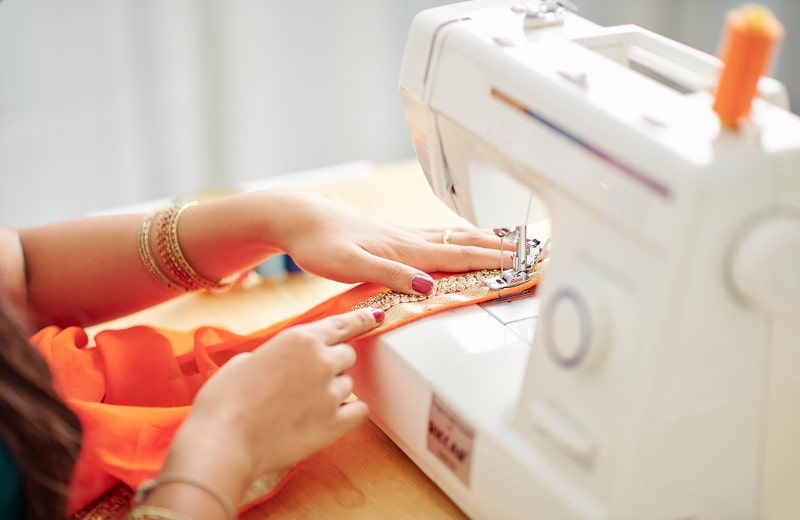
[(446, 234)]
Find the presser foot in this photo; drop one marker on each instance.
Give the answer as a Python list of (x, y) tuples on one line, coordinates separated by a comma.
[(528, 254), (508, 278)]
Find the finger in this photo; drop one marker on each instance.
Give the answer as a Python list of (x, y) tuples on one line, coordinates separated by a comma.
[(459, 259), (341, 357), (392, 274), (454, 228), (469, 237), (341, 387), (442, 235), (341, 327), (349, 415), (482, 238), (434, 258)]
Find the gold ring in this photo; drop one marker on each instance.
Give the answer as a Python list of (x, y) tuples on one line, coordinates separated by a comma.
[(446, 234)]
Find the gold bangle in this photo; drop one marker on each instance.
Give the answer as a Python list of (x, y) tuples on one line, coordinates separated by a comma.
[(171, 253), (162, 241), (153, 513), (147, 487), (146, 255)]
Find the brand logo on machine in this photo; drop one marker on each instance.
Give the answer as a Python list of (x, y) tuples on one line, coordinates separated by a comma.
[(450, 439)]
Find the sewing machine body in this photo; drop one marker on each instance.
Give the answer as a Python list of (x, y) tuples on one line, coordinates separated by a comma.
[(662, 379)]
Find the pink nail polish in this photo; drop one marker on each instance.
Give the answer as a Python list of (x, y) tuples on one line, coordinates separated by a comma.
[(379, 315), (422, 284)]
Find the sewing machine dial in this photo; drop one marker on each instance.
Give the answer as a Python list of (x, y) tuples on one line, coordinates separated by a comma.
[(575, 328), (770, 250)]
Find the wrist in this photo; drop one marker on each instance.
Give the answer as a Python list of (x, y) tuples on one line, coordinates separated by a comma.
[(205, 470), (195, 492)]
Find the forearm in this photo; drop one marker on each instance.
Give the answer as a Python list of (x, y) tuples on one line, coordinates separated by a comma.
[(85, 271), (90, 270)]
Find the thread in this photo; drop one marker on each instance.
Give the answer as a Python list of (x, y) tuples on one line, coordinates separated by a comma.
[(752, 33)]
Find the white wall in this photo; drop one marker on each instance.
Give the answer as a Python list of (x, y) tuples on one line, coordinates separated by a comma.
[(110, 102)]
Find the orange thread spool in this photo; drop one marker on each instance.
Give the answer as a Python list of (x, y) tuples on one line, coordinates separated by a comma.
[(752, 34)]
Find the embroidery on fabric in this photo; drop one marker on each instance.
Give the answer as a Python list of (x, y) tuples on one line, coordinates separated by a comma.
[(446, 291), (113, 505)]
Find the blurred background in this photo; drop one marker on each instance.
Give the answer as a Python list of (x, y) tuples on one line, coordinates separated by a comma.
[(111, 102)]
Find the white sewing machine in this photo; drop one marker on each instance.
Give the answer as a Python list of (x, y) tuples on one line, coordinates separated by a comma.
[(663, 378)]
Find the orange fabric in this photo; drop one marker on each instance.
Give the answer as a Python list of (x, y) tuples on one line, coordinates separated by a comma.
[(133, 390)]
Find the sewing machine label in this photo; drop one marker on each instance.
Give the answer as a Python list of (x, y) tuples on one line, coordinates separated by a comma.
[(450, 439)]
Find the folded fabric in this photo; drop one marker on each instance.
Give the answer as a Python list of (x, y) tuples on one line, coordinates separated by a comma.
[(133, 388)]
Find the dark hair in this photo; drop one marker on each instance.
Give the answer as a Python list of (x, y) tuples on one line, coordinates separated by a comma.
[(42, 435)]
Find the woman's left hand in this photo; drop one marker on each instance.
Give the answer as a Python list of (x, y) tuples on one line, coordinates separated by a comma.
[(349, 247)]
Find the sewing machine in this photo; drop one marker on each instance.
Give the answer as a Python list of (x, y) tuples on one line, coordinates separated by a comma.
[(663, 376)]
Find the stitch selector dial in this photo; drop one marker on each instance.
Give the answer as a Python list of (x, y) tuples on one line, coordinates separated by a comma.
[(575, 328)]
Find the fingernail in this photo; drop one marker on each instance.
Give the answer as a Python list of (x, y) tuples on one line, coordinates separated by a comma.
[(422, 284), (378, 314)]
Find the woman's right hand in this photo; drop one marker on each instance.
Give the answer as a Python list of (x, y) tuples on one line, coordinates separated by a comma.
[(271, 408)]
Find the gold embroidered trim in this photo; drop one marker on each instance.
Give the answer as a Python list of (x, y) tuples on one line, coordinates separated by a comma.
[(446, 291), (449, 285), (112, 505)]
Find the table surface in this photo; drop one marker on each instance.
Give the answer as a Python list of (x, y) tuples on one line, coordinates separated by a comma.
[(364, 474)]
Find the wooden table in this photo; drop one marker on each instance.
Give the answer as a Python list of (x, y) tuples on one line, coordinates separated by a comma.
[(364, 475)]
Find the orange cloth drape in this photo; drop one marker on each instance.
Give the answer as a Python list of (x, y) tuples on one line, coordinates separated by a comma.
[(133, 388)]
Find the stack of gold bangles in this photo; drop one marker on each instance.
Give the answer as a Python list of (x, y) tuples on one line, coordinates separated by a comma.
[(179, 275)]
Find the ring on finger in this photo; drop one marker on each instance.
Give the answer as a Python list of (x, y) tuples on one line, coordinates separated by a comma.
[(446, 234)]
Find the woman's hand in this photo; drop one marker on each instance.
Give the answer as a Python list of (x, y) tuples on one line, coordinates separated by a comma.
[(343, 245), (271, 408)]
